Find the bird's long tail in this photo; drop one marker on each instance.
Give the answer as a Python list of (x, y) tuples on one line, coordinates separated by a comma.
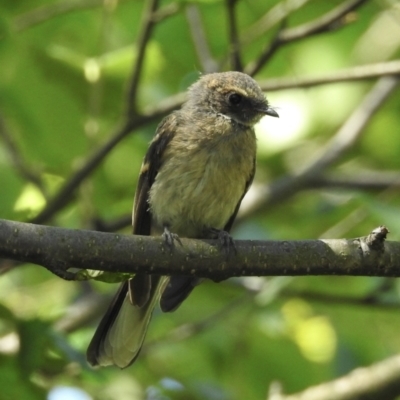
[(120, 334)]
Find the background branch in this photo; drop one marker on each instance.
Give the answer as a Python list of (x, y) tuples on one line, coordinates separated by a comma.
[(379, 381), (204, 55), (331, 20), (353, 74), (234, 45), (144, 35)]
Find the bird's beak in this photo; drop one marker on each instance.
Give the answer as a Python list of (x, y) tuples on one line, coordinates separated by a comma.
[(271, 112), (265, 109)]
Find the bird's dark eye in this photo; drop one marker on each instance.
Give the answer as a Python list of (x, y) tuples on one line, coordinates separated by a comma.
[(235, 99)]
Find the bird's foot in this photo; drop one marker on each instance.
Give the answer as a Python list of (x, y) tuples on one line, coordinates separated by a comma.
[(170, 238), (226, 242)]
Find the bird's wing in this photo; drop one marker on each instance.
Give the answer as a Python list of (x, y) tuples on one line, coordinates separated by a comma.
[(141, 219), (140, 285), (120, 334)]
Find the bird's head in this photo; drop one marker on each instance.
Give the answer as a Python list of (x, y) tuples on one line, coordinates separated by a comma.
[(234, 95)]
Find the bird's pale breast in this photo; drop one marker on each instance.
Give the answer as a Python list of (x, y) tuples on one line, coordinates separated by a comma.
[(200, 187)]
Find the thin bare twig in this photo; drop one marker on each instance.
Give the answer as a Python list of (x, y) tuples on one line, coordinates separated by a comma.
[(334, 19), (146, 28), (234, 46), (341, 142), (352, 74)]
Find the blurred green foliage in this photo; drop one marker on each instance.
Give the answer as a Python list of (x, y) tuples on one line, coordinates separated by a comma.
[(63, 83)]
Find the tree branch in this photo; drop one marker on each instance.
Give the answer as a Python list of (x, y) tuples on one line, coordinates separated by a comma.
[(352, 74), (379, 381), (350, 132), (60, 249), (331, 20)]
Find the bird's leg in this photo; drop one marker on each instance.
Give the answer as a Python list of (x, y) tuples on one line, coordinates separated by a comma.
[(225, 240), (169, 237)]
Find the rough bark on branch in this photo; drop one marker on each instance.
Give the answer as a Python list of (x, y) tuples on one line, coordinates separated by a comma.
[(60, 249)]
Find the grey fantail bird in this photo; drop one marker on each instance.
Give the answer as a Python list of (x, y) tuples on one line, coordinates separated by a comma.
[(194, 176)]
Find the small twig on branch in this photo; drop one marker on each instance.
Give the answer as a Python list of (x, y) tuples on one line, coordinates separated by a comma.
[(378, 381), (59, 250), (341, 142), (334, 19), (197, 31)]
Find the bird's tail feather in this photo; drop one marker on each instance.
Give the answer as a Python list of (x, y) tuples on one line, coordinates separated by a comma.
[(120, 334)]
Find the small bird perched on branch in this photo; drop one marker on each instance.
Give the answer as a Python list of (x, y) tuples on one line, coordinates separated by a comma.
[(194, 176)]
